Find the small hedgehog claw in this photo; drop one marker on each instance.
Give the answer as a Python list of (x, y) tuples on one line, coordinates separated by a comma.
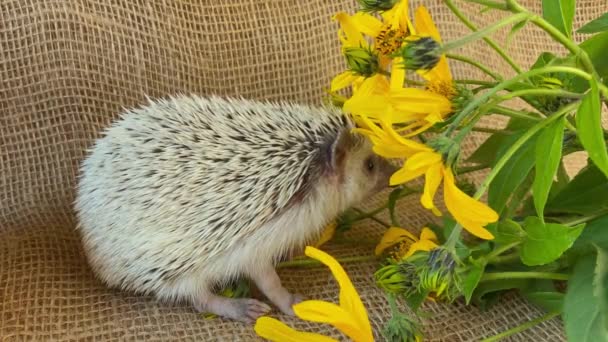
[(241, 309)]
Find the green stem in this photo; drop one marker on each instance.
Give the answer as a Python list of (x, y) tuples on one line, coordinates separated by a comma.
[(500, 250), (450, 4), (542, 92), (523, 275), (586, 218), (492, 4), (490, 130), (515, 113), (523, 327), (374, 218), (476, 64), (485, 31), (511, 151), (476, 82), (505, 259), (471, 106), (466, 169), (312, 262)]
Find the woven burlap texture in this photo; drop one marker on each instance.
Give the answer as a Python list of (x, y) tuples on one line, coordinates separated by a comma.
[(68, 67)]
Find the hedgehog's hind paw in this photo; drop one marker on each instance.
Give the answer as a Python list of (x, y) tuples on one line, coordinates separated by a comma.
[(240, 309)]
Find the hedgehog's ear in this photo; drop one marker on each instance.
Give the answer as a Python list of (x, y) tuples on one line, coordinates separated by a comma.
[(338, 149)]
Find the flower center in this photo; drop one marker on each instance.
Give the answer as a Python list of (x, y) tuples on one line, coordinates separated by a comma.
[(389, 40), (444, 88)]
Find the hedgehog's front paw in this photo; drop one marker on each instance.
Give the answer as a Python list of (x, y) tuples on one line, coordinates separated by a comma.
[(240, 309), (250, 309)]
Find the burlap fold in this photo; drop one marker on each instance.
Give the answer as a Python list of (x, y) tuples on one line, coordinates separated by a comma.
[(67, 68)]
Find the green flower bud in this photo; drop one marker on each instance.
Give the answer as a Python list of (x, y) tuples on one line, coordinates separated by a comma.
[(438, 275), (397, 278), (361, 61), (377, 5), (420, 54)]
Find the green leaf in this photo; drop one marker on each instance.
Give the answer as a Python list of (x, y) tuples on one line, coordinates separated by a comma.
[(594, 234), (548, 156), (488, 287), (600, 283), (583, 319), (589, 128), (559, 13), (585, 194), (486, 153), (470, 281), (511, 176), (595, 47), (516, 28), (596, 25), (415, 300), (545, 243), (508, 231), (549, 301)]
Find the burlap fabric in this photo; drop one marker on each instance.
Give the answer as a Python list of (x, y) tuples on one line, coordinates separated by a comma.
[(66, 70)]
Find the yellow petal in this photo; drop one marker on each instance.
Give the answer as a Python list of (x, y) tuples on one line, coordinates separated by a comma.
[(431, 183), (425, 25), (277, 331), (352, 37), (398, 16), (324, 312), (349, 298), (370, 105), (393, 236), (413, 145), (470, 213), (367, 24), (423, 159), (404, 175), (342, 81), (428, 234), (422, 245), (419, 101), (327, 234), (397, 74)]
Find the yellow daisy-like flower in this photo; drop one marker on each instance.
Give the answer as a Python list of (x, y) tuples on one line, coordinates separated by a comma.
[(408, 243), (472, 214), (350, 316), (386, 36)]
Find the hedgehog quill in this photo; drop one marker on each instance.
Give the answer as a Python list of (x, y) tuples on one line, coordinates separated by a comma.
[(188, 192)]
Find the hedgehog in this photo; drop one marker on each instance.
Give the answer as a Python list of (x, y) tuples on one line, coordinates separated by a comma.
[(186, 192)]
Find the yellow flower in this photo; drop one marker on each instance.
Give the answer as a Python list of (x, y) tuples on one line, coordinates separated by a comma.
[(327, 233), (386, 36), (350, 316), (399, 236), (472, 214)]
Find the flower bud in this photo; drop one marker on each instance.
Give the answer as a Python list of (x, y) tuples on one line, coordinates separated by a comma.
[(377, 5), (397, 278), (438, 276), (361, 61), (420, 54)]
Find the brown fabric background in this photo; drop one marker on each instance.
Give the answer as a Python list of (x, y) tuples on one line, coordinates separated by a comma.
[(67, 67)]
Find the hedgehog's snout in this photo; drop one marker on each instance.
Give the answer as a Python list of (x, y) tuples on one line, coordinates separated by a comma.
[(385, 171)]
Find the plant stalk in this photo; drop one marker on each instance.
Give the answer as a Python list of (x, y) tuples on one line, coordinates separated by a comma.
[(305, 262), (522, 327), (450, 4), (485, 31), (476, 64), (523, 275)]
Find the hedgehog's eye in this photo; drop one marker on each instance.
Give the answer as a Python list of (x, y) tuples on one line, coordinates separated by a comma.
[(370, 164)]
